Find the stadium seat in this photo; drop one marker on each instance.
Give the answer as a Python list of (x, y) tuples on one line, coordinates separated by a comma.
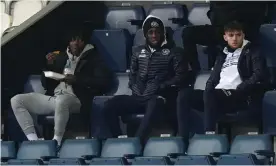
[(8, 150), (115, 46), (19, 12), (249, 150), (172, 15), (121, 18), (200, 149), (5, 22), (274, 15), (139, 38), (268, 42), (157, 150), (198, 14), (114, 150), (34, 152), (99, 128), (77, 151), (3, 7)]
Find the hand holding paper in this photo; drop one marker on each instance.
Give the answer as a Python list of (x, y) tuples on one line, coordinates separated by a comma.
[(54, 75)]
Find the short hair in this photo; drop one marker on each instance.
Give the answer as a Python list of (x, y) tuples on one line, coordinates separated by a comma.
[(233, 26)]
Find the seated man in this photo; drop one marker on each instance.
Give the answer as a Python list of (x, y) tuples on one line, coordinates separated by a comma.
[(155, 67), (86, 75), (238, 77)]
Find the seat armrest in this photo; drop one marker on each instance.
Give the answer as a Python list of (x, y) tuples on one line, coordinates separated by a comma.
[(266, 153), (136, 22), (175, 155), (5, 159), (47, 158), (131, 156), (217, 154), (88, 157)]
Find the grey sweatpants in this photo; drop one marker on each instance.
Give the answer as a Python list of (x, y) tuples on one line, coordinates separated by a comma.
[(36, 103)]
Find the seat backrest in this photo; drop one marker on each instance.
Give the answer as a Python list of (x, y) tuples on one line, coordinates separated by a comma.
[(23, 10), (75, 148), (202, 144), (8, 149), (37, 149), (123, 89), (117, 17), (115, 46), (118, 147), (5, 22), (3, 7), (251, 143), (268, 42), (139, 38), (198, 14), (162, 146), (169, 11), (274, 15), (201, 80), (34, 85)]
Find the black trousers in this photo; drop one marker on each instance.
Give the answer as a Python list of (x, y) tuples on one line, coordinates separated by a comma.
[(217, 103), (211, 36), (125, 105)]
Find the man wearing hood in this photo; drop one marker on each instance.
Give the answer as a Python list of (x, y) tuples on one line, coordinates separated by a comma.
[(237, 80), (86, 75), (155, 68)]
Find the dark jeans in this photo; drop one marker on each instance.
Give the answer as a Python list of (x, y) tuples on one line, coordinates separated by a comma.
[(210, 36), (217, 103), (125, 105)]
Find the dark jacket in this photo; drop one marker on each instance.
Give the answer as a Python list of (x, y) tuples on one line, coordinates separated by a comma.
[(151, 72), (92, 76), (251, 68), (243, 11)]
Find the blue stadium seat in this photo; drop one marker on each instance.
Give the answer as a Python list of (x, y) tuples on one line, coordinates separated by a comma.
[(198, 14), (200, 149), (249, 150), (33, 84), (119, 18), (34, 152), (99, 128), (274, 15), (157, 150), (8, 150), (172, 15), (114, 150), (115, 46), (177, 37), (139, 38), (77, 151), (269, 111)]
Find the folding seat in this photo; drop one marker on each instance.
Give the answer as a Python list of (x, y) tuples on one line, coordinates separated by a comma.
[(268, 49), (249, 150), (115, 46), (172, 15), (198, 14), (19, 12), (157, 150), (8, 151), (125, 17), (114, 150), (77, 152), (200, 150), (35, 152), (99, 127)]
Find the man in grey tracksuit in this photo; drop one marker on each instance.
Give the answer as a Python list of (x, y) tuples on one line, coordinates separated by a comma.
[(86, 75), (155, 68)]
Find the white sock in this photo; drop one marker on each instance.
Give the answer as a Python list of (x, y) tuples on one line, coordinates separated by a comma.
[(32, 137), (58, 139)]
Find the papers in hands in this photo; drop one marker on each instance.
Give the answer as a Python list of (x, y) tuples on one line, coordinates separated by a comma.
[(53, 75)]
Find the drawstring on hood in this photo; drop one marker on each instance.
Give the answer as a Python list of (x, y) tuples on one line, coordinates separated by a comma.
[(154, 22)]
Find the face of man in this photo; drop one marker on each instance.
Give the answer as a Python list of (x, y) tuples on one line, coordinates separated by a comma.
[(234, 38), (154, 36), (76, 46)]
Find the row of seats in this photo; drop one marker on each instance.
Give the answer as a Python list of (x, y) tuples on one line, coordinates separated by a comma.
[(13, 13), (202, 150)]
